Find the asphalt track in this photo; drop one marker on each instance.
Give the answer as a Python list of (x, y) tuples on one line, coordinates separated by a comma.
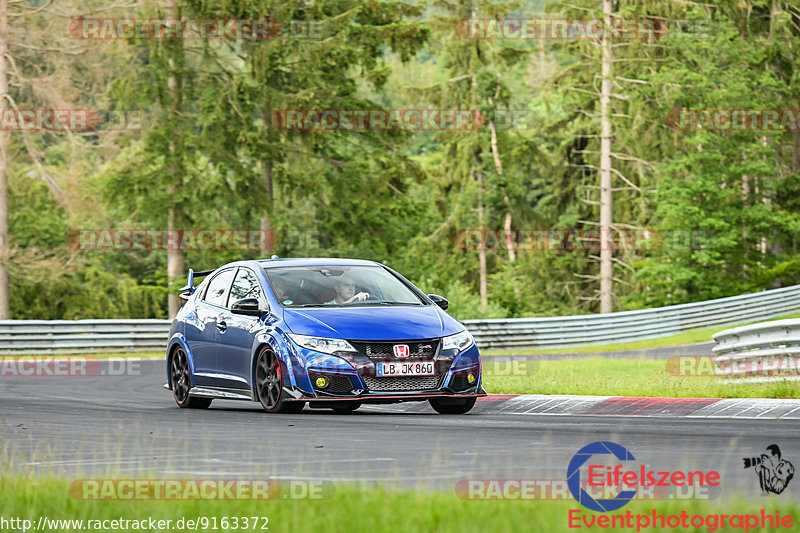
[(128, 426)]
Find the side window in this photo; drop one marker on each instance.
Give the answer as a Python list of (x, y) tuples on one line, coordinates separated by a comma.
[(217, 293), (246, 285)]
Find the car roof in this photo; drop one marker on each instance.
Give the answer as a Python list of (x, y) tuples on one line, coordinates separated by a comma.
[(314, 261)]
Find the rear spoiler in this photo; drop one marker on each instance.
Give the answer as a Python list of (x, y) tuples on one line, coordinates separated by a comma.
[(190, 280)]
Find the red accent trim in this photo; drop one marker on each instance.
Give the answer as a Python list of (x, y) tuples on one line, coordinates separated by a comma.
[(497, 397), (368, 398)]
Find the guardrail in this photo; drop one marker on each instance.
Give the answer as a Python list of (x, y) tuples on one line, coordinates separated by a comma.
[(82, 336), (769, 351), (626, 326), (86, 336)]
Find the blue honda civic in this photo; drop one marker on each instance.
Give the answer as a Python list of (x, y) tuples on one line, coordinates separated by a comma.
[(330, 333)]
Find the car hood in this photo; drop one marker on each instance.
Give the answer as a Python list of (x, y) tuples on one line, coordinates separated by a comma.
[(373, 323)]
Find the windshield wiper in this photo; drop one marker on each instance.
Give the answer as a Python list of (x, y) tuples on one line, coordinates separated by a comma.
[(351, 304), (381, 303)]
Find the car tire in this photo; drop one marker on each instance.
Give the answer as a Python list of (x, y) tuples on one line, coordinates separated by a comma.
[(453, 406), (180, 383), (269, 385)]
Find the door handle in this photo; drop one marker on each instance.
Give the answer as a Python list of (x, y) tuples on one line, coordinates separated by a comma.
[(222, 326)]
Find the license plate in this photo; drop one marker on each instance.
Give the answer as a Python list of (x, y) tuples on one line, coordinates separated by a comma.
[(405, 369)]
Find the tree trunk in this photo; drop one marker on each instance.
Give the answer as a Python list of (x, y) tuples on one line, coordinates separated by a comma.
[(176, 264), (4, 153), (266, 222), (512, 255), (795, 168), (175, 257), (484, 286), (745, 203), (606, 270)]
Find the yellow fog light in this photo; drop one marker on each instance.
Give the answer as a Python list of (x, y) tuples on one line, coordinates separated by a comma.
[(470, 378), (322, 382)]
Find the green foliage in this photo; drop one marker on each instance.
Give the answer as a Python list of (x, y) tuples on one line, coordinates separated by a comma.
[(85, 290), (217, 159), (50, 280), (721, 187), (463, 302)]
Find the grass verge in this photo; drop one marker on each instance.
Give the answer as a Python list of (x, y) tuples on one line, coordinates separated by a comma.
[(352, 508), (619, 377)]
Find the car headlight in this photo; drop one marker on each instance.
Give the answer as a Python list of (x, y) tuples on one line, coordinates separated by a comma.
[(322, 344), (458, 342)]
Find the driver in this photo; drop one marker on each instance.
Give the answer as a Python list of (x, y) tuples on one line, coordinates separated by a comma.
[(346, 292)]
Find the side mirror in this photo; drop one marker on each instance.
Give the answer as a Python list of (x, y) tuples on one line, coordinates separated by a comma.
[(439, 300), (247, 306)]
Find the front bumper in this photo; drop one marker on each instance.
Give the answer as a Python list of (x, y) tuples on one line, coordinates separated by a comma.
[(367, 397), (352, 377)]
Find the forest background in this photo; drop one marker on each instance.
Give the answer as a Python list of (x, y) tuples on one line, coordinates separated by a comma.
[(190, 138)]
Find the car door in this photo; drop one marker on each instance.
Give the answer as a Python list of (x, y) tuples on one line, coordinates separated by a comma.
[(203, 337), (235, 342)]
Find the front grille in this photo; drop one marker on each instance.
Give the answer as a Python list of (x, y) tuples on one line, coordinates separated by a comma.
[(381, 349), (407, 383), (338, 385)]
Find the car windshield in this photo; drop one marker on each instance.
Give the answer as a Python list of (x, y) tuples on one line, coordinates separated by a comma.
[(338, 286)]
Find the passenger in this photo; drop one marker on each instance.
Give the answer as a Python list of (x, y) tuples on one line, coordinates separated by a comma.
[(345, 292)]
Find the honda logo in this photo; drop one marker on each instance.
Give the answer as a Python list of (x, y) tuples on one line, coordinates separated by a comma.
[(401, 350)]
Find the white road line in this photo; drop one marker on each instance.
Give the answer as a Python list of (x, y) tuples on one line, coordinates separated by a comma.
[(790, 412)]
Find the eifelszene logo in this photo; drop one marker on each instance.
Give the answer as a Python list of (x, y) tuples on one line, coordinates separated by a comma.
[(774, 473), (615, 478), (574, 476)]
